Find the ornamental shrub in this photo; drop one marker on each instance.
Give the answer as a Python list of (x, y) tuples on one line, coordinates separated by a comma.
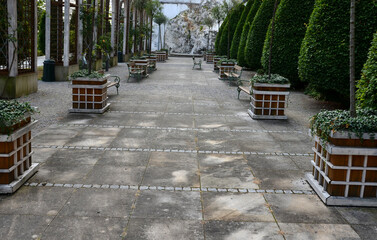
[(324, 54), (234, 16), (257, 34), (367, 86), (275, 79), (291, 19), (238, 32), (245, 32), (218, 36)]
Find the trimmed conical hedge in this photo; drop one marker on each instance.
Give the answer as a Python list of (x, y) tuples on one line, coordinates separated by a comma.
[(291, 20), (367, 85), (238, 32), (245, 31), (257, 34), (218, 36), (324, 54), (234, 17)]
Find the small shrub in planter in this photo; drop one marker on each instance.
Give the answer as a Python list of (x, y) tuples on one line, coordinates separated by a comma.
[(345, 157), (269, 96), (15, 145), (89, 92), (216, 59)]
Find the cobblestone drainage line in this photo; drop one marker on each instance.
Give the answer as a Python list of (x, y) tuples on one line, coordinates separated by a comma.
[(185, 114), (180, 129), (171, 189), (175, 103), (171, 150)]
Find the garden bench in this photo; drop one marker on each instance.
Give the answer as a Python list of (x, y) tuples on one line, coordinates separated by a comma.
[(245, 89), (197, 63), (235, 74), (134, 71), (114, 83)]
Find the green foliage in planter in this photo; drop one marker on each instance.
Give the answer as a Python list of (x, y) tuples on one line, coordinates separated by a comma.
[(218, 36), (324, 122), (237, 34), (324, 54), (367, 85), (85, 73), (291, 20), (164, 50), (226, 60), (257, 34), (13, 112), (245, 31), (234, 17), (275, 79), (219, 56)]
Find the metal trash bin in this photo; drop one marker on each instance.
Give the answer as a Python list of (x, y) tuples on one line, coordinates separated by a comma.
[(120, 56), (48, 71)]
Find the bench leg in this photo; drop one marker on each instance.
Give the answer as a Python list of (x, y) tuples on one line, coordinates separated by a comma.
[(239, 91)]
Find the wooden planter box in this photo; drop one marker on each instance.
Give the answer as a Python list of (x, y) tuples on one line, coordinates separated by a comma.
[(215, 61), (143, 64), (16, 165), (268, 101), (161, 56), (225, 67), (89, 95), (152, 63), (204, 56), (209, 57), (345, 170)]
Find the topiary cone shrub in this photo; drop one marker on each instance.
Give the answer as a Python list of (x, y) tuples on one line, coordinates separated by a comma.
[(291, 20), (236, 37), (257, 34), (367, 85), (234, 17), (324, 59), (245, 31), (218, 36)]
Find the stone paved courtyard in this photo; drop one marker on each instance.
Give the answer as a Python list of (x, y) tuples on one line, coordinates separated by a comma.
[(177, 157)]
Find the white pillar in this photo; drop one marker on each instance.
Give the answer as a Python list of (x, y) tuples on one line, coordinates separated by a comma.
[(79, 38), (66, 33), (113, 27), (48, 30), (12, 31)]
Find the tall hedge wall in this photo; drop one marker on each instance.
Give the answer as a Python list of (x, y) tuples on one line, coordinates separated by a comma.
[(245, 31), (234, 16), (291, 19), (367, 85), (257, 34), (218, 36), (324, 54), (238, 32)]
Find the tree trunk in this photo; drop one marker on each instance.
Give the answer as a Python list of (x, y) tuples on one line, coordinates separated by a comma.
[(352, 59), (91, 39), (159, 37), (272, 39), (150, 37)]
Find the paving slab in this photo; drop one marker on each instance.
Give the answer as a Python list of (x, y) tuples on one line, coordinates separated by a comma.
[(304, 231), (222, 230), (86, 228), (115, 174), (167, 229), (23, 226), (99, 203), (236, 207), (292, 208), (168, 205)]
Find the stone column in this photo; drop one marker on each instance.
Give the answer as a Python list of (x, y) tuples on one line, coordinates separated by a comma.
[(12, 31), (66, 33), (48, 31)]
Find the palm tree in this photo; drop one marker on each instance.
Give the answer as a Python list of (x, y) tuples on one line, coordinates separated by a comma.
[(159, 19), (153, 8), (208, 21)]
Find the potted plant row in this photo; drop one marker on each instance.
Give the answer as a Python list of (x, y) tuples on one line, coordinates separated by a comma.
[(269, 95), (345, 157), (15, 145), (89, 92)]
